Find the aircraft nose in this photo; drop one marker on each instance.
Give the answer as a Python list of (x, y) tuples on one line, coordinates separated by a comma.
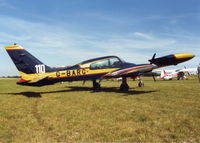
[(173, 59), (184, 56)]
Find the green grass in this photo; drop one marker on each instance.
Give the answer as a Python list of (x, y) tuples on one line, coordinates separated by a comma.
[(162, 111)]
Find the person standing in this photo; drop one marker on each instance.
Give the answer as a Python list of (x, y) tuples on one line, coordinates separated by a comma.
[(198, 72)]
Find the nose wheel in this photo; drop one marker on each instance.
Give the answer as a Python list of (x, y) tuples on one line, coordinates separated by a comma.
[(141, 83)]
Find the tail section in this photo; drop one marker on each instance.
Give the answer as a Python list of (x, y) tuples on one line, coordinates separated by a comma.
[(25, 62), (163, 74), (33, 72)]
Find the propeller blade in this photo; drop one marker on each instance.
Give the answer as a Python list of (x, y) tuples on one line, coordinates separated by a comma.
[(154, 55), (152, 59)]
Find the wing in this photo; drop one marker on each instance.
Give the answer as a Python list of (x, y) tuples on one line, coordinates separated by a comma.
[(131, 71), (135, 70)]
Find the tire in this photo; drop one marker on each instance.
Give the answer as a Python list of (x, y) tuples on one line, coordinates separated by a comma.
[(140, 84), (124, 87)]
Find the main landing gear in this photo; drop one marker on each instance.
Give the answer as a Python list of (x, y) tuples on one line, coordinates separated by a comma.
[(124, 86), (96, 85)]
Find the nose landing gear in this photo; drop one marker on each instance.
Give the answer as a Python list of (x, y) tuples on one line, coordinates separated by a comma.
[(141, 83)]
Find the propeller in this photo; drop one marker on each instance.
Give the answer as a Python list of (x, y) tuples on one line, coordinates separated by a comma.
[(151, 62), (152, 59)]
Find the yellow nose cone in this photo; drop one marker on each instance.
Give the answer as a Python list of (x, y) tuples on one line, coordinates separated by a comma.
[(184, 56)]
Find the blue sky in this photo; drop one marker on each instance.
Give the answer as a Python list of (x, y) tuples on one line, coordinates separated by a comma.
[(65, 32)]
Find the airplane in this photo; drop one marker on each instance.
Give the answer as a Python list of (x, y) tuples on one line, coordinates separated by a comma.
[(169, 76), (179, 73), (35, 73)]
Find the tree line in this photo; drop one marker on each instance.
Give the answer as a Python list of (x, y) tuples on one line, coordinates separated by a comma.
[(16, 76)]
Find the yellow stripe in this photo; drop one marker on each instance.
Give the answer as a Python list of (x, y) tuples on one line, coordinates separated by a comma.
[(33, 77), (63, 74), (98, 71), (13, 47), (184, 55), (74, 73)]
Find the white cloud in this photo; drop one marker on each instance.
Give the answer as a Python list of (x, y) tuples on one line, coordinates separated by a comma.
[(143, 35), (58, 46), (106, 18)]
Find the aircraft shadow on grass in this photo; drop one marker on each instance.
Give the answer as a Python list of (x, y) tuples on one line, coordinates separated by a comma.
[(76, 88), (26, 94), (109, 89)]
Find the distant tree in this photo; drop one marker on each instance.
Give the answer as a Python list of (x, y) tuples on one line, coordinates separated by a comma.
[(151, 73), (15, 76)]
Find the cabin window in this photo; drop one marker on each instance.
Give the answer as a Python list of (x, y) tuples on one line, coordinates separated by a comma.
[(108, 63)]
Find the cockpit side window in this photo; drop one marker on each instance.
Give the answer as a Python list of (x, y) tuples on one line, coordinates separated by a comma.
[(115, 62), (108, 63), (100, 65)]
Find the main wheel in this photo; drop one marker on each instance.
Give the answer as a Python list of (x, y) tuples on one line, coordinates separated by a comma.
[(124, 87), (96, 86), (141, 84)]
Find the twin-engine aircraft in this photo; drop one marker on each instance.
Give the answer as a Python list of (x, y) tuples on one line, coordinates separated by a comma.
[(35, 73)]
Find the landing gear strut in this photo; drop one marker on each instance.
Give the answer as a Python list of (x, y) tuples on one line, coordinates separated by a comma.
[(96, 86), (124, 86)]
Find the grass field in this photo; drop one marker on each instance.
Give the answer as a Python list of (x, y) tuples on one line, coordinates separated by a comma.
[(164, 111)]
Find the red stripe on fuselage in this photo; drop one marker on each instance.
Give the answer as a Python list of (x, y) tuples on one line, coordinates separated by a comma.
[(22, 81)]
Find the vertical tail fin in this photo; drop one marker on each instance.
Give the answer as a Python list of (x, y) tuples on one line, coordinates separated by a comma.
[(163, 74), (25, 62)]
